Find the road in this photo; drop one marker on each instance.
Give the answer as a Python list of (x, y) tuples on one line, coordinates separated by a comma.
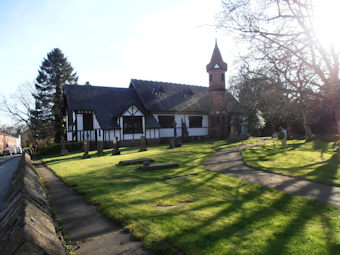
[(8, 165)]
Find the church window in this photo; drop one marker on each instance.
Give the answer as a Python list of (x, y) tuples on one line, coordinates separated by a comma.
[(88, 121), (132, 125), (166, 121), (195, 121), (222, 77), (210, 77)]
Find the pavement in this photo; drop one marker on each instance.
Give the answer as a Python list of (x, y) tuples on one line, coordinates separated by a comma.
[(88, 230), (8, 165), (229, 161)]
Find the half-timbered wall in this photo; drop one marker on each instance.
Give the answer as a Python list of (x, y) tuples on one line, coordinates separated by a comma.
[(169, 132), (132, 111)]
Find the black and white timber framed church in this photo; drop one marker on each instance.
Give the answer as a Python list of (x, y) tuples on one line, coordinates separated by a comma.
[(96, 113)]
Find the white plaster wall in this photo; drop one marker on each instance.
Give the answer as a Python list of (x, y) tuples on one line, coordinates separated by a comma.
[(169, 132), (66, 123), (133, 111), (166, 132), (95, 122), (205, 121), (198, 131), (152, 133), (131, 136), (69, 136), (80, 121)]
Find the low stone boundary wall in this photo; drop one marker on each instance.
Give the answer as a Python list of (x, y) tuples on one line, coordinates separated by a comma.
[(26, 224)]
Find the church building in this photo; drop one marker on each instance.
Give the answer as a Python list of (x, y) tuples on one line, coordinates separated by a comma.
[(151, 108)]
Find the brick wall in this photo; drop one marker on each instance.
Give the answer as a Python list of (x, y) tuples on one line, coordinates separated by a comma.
[(8, 141)]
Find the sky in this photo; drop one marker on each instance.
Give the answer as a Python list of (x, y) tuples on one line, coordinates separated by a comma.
[(110, 42)]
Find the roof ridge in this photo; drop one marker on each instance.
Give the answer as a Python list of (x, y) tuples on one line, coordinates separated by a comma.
[(94, 86), (171, 83)]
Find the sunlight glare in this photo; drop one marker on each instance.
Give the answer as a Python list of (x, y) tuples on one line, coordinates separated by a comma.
[(327, 21)]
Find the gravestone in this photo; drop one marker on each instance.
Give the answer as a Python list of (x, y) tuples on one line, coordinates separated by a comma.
[(177, 141), (282, 136), (233, 136), (244, 130), (143, 143), (185, 133), (115, 150), (86, 146), (171, 143), (135, 161), (148, 166), (100, 147)]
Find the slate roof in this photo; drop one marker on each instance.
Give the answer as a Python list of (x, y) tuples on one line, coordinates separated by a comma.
[(173, 98), (107, 103)]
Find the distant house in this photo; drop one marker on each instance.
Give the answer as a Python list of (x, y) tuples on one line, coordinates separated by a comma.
[(96, 113), (9, 141)]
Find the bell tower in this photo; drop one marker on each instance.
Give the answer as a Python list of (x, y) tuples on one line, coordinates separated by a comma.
[(218, 116)]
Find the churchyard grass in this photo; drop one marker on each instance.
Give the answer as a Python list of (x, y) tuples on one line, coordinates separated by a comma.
[(315, 160), (217, 214)]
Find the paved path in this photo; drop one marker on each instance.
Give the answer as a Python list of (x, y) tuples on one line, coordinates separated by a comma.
[(229, 161), (8, 165), (84, 224)]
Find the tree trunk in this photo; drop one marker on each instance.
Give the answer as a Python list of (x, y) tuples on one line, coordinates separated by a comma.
[(63, 151), (337, 119), (306, 124)]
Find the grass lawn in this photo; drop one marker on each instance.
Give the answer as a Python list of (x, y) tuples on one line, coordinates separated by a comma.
[(219, 214), (315, 160)]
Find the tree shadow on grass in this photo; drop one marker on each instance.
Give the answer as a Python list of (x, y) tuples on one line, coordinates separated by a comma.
[(327, 172)]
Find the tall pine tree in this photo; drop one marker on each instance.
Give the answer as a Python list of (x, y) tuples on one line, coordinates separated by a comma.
[(55, 72)]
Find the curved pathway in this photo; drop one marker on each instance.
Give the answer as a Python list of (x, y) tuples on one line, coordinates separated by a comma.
[(229, 161), (84, 225)]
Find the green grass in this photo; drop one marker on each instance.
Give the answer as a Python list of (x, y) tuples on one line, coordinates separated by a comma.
[(314, 160), (223, 215)]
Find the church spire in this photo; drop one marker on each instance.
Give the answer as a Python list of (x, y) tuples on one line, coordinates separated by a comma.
[(216, 61)]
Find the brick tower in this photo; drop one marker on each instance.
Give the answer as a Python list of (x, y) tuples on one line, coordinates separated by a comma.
[(218, 116)]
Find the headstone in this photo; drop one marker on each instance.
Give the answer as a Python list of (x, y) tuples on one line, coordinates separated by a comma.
[(176, 140), (175, 127), (185, 133), (233, 135), (115, 150), (143, 143), (282, 136), (63, 151), (171, 143), (244, 130), (86, 146), (135, 161), (100, 147)]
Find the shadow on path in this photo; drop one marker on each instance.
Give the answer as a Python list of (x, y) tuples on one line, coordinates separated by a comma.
[(84, 224), (229, 161)]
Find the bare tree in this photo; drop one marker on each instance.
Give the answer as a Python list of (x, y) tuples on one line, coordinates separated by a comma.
[(283, 30), (18, 107)]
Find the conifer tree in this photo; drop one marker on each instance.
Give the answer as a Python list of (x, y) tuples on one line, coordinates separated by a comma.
[(55, 72)]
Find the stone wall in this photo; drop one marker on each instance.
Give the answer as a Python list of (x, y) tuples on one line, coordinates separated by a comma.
[(26, 224)]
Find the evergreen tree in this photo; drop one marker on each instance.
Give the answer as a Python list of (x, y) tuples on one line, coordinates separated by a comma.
[(55, 72)]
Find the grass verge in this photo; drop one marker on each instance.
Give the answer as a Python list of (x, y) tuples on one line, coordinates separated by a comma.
[(315, 160), (218, 214)]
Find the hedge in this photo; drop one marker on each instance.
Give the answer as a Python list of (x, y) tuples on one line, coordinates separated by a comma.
[(56, 148)]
